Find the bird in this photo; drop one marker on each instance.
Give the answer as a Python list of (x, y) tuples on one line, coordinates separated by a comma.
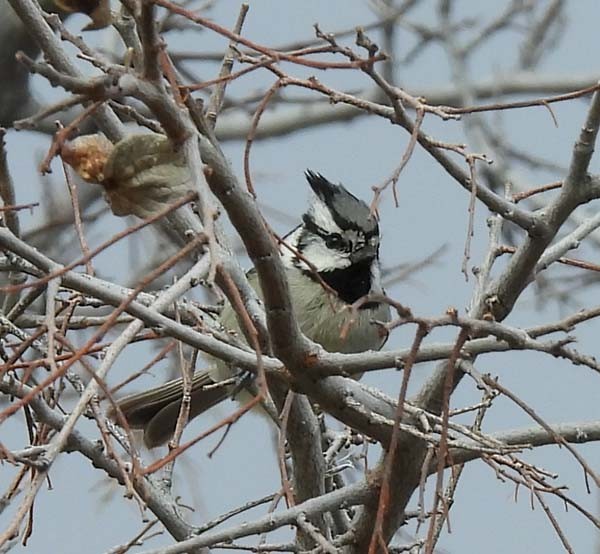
[(336, 243)]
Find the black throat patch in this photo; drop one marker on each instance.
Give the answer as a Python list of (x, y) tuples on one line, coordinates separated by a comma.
[(351, 283)]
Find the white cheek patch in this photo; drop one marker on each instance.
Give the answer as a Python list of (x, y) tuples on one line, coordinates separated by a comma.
[(322, 216), (316, 252), (314, 249), (323, 258)]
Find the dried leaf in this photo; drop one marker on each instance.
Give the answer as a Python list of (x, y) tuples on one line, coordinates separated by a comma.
[(97, 10), (144, 174)]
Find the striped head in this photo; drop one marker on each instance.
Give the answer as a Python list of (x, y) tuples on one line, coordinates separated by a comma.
[(339, 236)]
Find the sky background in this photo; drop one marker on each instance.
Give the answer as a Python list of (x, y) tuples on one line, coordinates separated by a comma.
[(88, 509)]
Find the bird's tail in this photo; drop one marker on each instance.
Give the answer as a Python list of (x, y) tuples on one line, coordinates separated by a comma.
[(156, 410)]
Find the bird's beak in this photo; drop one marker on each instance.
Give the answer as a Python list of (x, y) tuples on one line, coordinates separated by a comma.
[(366, 252)]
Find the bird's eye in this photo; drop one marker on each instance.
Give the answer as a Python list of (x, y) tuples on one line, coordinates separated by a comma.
[(334, 240)]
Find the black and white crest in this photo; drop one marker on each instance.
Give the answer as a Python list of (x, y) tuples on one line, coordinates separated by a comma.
[(335, 205), (339, 238)]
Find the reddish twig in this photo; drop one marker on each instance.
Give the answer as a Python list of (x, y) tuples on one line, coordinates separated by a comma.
[(393, 179), (252, 132), (83, 351), (84, 259), (443, 446), (175, 8), (587, 470), (17, 207), (573, 262), (525, 103), (543, 188), (251, 335), (281, 440), (378, 537), (62, 135)]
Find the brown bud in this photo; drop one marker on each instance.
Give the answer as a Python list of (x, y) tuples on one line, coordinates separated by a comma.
[(452, 312), (87, 155)]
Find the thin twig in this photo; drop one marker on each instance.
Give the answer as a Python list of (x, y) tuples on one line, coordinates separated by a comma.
[(218, 96)]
